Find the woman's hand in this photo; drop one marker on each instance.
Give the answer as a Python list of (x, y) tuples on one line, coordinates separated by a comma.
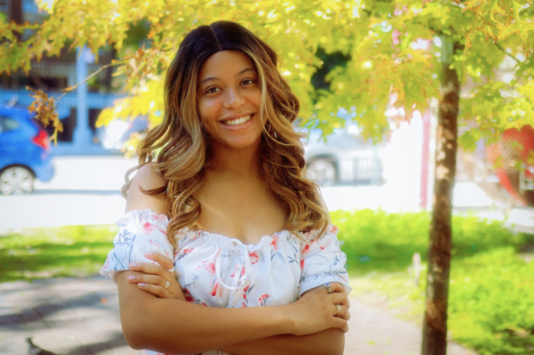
[(317, 310), (153, 277)]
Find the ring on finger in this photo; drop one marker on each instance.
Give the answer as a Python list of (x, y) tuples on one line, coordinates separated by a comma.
[(328, 287), (338, 308), (168, 283)]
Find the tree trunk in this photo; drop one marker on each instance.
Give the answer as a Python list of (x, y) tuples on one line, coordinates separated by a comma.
[(439, 251), (15, 14)]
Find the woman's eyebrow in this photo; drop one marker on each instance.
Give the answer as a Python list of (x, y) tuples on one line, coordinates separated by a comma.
[(215, 78)]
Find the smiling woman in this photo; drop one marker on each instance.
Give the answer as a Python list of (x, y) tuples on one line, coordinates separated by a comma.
[(228, 103), (225, 221)]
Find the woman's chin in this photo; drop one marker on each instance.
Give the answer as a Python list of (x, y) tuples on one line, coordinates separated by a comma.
[(240, 143)]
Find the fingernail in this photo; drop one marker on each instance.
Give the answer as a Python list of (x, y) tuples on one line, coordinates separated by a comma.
[(131, 277), (140, 284), (149, 255), (133, 265)]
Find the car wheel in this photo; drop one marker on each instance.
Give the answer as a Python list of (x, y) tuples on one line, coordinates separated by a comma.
[(16, 180), (323, 171)]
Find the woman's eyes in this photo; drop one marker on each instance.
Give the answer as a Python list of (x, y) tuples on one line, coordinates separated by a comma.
[(245, 82), (212, 90)]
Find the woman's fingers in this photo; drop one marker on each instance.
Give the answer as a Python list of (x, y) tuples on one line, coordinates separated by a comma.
[(339, 298), (149, 268), (147, 279), (164, 261), (342, 312), (340, 324), (337, 287), (156, 290)]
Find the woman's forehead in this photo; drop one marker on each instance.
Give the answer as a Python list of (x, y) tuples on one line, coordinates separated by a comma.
[(225, 65)]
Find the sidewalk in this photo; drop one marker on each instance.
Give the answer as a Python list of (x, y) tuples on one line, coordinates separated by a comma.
[(80, 316)]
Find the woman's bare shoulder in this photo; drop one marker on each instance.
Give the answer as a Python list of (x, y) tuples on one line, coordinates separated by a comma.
[(147, 179)]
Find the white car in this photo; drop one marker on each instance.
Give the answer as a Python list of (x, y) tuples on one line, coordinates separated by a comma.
[(346, 158)]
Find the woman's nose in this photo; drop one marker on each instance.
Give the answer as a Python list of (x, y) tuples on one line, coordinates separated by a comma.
[(233, 99)]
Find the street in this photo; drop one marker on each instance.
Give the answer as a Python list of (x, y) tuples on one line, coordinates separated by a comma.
[(86, 190)]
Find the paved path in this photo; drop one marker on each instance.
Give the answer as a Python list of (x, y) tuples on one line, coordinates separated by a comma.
[(80, 316)]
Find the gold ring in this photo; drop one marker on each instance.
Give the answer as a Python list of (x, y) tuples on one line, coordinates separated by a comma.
[(338, 308), (328, 287), (168, 283)]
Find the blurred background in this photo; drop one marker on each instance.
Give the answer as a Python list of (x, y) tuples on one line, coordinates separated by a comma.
[(59, 203), (89, 163)]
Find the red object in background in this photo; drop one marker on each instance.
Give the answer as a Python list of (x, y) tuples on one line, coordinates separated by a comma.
[(41, 139), (516, 145)]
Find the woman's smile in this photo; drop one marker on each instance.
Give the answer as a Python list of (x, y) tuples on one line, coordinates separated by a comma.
[(239, 123)]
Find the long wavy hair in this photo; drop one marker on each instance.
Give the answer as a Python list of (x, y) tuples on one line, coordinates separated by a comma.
[(184, 155)]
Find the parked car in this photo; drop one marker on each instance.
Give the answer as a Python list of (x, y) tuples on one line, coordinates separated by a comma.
[(24, 151), (346, 158)]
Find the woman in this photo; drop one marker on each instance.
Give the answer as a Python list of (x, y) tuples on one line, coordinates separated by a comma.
[(230, 169)]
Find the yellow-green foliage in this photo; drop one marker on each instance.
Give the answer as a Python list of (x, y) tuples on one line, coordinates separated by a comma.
[(388, 45)]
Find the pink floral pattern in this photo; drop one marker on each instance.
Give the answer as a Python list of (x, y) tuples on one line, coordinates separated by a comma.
[(275, 271), (262, 300), (254, 257)]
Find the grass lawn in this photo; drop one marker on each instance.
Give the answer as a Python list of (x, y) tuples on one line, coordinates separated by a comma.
[(55, 252)]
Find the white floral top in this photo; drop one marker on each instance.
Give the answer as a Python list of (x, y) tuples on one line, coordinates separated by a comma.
[(217, 271)]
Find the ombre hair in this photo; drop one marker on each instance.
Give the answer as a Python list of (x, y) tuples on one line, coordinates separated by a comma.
[(184, 154)]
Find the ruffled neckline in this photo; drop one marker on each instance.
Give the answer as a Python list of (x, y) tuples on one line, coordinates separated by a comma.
[(223, 238), (162, 221)]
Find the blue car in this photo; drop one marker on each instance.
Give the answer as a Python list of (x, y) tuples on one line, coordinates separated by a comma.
[(24, 151)]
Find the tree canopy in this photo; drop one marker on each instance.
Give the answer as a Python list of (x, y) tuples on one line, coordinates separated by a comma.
[(392, 46)]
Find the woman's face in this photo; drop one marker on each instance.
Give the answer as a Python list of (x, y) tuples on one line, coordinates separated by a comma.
[(230, 97)]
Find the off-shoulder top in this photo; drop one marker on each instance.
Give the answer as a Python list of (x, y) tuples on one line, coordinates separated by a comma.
[(218, 271)]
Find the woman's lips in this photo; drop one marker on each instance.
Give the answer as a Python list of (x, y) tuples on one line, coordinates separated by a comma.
[(241, 126)]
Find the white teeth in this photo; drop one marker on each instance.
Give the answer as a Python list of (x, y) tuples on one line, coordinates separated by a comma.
[(238, 121)]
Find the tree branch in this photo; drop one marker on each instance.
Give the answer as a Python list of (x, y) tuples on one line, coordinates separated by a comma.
[(505, 52), (102, 68)]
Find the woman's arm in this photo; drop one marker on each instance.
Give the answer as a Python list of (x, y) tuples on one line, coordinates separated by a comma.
[(175, 326), (170, 325), (327, 342), (331, 341)]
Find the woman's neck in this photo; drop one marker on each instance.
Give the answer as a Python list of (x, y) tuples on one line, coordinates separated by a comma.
[(239, 163)]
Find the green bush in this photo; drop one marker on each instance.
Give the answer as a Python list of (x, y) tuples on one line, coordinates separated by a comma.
[(491, 299), (491, 304), (381, 241)]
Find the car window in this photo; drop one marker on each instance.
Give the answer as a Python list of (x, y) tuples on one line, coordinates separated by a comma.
[(8, 124)]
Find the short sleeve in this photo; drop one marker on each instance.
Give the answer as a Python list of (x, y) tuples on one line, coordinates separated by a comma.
[(140, 232), (323, 261)]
